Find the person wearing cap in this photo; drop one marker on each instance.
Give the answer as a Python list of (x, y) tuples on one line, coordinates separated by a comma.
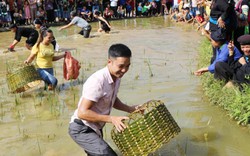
[(238, 70), (30, 33), (104, 25), (42, 27), (218, 41), (80, 22)]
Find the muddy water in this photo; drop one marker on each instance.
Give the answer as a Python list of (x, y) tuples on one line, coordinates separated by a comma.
[(164, 55)]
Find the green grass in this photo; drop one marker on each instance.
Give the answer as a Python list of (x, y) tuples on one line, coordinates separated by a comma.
[(235, 102)]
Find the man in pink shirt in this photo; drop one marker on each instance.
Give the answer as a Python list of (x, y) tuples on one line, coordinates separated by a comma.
[(99, 96)]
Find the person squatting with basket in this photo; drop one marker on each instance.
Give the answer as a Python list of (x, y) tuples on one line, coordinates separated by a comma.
[(44, 52), (99, 96)]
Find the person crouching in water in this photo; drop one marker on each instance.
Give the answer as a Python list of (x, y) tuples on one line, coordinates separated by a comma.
[(80, 22), (104, 25), (43, 51), (30, 33)]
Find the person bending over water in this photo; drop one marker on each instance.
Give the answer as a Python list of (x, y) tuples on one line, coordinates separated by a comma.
[(104, 25), (80, 22), (30, 33)]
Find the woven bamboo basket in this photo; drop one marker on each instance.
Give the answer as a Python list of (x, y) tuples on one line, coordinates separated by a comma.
[(22, 78), (146, 132)]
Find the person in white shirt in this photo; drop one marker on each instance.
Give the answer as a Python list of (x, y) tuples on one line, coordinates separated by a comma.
[(99, 96)]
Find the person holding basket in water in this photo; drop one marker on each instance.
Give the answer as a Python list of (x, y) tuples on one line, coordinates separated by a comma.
[(99, 96), (44, 52)]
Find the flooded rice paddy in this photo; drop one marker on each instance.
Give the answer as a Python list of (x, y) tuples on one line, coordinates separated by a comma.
[(35, 122)]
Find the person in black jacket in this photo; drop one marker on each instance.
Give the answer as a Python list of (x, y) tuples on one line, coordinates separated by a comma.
[(242, 66), (30, 33)]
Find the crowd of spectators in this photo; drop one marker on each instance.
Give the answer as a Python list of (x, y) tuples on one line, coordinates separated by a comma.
[(23, 12)]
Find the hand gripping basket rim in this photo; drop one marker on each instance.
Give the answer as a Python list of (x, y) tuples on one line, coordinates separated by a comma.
[(23, 78), (146, 132)]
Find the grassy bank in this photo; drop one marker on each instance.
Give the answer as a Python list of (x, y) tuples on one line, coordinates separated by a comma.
[(236, 103)]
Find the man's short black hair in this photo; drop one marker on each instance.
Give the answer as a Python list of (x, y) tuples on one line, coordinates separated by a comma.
[(119, 50), (73, 13)]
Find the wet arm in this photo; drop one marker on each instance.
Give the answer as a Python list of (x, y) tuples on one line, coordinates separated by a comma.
[(66, 26), (30, 58), (123, 107), (101, 18), (55, 58), (85, 113)]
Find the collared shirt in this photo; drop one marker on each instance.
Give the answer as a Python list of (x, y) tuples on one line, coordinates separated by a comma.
[(101, 89), (222, 55)]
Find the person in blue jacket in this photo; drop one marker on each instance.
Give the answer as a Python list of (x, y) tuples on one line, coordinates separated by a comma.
[(219, 42)]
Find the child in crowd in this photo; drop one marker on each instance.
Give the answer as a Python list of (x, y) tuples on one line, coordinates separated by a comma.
[(4, 13), (188, 16), (21, 19), (120, 11), (108, 13), (153, 8), (139, 9), (40, 14), (27, 12), (86, 14), (175, 15), (145, 9), (128, 9)]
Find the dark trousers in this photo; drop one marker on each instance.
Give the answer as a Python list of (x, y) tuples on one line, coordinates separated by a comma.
[(223, 71), (89, 140), (86, 31)]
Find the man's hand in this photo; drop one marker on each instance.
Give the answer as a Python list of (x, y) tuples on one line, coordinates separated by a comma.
[(117, 122), (242, 61), (200, 72), (231, 48), (221, 23)]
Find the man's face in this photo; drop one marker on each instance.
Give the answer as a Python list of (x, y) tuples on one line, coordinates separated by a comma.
[(246, 49), (118, 66)]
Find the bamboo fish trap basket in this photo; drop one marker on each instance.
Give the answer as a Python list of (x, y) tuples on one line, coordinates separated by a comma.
[(146, 132), (22, 78)]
